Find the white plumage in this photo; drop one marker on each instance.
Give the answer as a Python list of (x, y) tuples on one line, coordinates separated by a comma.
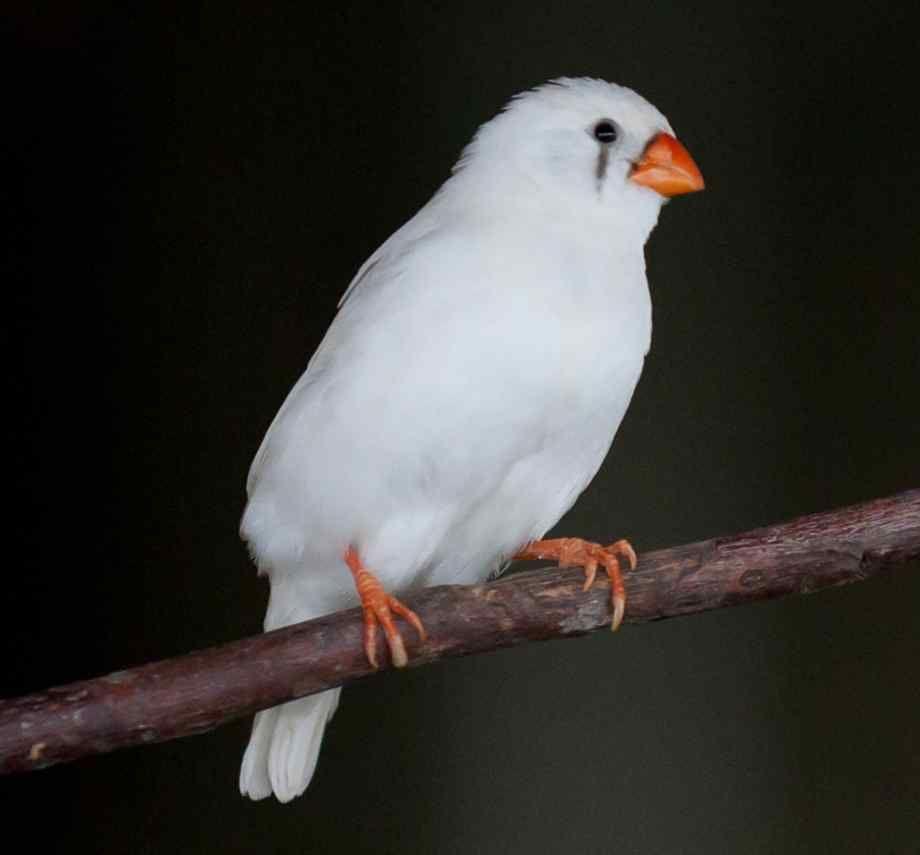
[(469, 387)]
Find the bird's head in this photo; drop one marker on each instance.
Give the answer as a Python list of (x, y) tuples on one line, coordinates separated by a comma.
[(582, 146)]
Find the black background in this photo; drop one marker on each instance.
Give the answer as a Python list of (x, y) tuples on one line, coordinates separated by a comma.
[(190, 192)]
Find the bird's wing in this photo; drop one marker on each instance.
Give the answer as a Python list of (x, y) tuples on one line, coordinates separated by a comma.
[(458, 349), (386, 256), (396, 244), (378, 267)]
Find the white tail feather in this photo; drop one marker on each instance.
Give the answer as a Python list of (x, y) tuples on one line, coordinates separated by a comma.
[(284, 747)]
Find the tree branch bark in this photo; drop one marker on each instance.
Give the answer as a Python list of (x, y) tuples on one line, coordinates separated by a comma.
[(197, 692)]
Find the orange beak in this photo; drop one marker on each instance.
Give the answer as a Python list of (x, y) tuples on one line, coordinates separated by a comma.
[(666, 167)]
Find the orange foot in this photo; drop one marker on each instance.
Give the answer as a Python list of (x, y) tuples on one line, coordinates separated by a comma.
[(575, 552), (378, 607)]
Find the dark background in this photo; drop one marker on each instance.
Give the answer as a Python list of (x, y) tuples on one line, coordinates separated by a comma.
[(190, 192)]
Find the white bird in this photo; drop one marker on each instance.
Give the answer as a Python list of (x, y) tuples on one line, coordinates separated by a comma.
[(469, 387)]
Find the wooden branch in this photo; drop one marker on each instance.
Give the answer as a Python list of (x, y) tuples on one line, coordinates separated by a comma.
[(197, 692)]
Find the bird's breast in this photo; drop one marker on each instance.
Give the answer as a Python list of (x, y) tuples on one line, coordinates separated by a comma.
[(583, 329)]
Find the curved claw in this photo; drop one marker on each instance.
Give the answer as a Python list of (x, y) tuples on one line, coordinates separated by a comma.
[(619, 608), (618, 549), (623, 547), (406, 613)]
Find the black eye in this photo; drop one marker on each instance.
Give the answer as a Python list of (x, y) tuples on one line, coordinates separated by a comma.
[(605, 131)]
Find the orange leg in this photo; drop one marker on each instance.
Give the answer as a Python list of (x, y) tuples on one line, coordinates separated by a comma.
[(575, 552), (379, 607)]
